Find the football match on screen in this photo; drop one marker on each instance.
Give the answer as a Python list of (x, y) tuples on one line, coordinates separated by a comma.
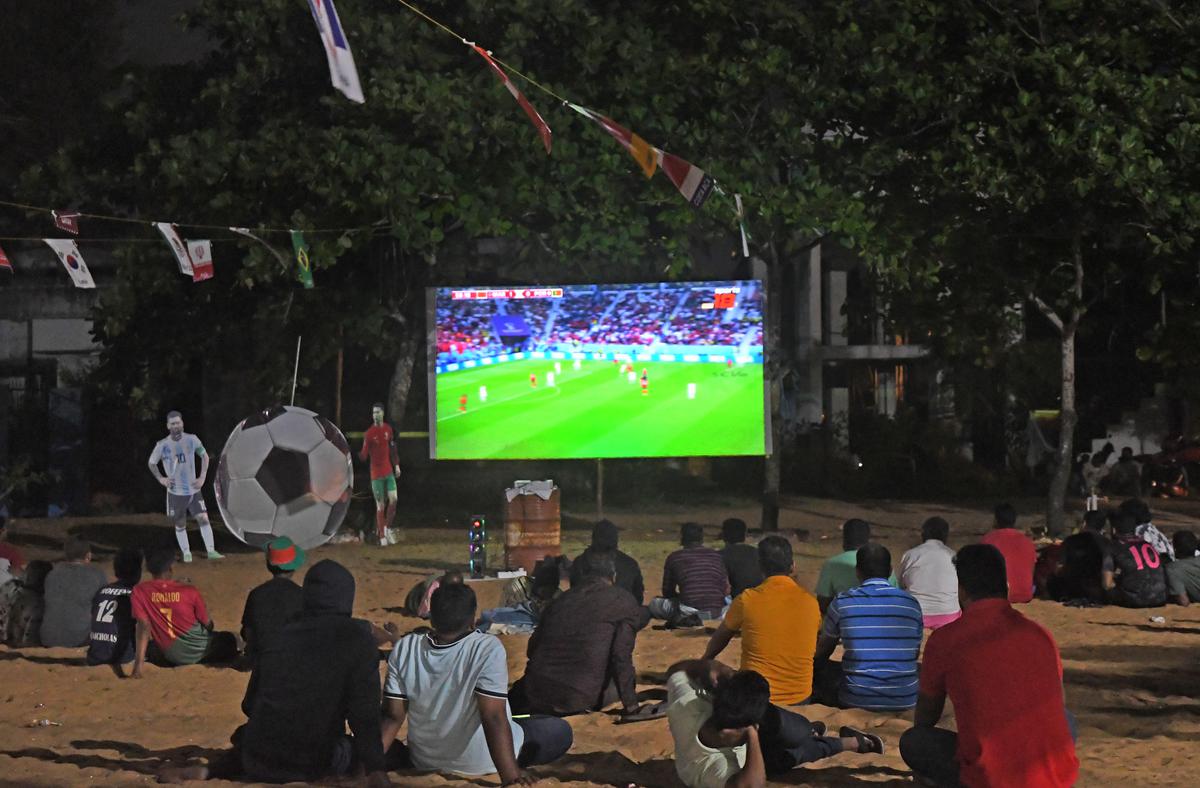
[(661, 369)]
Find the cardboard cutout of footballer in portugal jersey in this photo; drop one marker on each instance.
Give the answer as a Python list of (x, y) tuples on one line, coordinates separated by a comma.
[(379, 449)]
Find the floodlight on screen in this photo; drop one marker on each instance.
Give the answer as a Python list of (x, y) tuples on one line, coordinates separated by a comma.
[(664, 369)]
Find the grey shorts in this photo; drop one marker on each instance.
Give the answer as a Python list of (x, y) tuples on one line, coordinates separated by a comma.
[(180, 506)]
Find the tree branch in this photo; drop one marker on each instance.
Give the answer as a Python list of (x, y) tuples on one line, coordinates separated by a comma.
[(1046, 310)]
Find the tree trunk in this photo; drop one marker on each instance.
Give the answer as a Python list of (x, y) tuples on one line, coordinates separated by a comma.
[(1055, 509), (773, 464), (402, 372)]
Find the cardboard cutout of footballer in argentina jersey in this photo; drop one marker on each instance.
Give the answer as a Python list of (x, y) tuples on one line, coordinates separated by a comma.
[(177, 455), (379, 448)]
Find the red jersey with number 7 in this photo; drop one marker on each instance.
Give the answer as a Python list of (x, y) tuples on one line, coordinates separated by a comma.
[(169, 608), (380, 446)]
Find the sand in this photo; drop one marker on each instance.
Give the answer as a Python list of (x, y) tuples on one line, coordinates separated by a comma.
[(1133, 685)]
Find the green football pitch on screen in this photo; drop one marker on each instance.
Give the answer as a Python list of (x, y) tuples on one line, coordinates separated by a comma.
[(599, 410)]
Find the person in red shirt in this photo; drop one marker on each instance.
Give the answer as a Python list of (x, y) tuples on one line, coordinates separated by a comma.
[(1003, 674), (379, 446), (1020, 555), (16, 561), (174, 616)]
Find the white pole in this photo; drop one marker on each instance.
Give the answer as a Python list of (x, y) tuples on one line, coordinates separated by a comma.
[(296, 369)]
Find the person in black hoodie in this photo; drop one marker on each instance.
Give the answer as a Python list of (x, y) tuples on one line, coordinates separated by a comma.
[(319, 674), (605, 537)]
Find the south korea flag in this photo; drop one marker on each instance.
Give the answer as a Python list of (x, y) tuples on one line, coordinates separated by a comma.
[(72, 260)]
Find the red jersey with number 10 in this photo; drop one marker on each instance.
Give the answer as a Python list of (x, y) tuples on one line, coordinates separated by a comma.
[(169, 608), (380, 447)]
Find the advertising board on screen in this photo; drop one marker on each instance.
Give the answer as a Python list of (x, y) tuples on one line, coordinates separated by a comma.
[(664, 369)]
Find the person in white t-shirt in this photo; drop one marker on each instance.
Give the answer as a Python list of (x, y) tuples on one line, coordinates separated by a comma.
[(452, 686), (927, 572), (728, 735)]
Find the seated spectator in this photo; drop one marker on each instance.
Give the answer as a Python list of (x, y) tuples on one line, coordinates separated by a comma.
[(1080, 571), (525, 599), (174, 615), (838, 573), (695, 585), (452, 687), (741, 560), (319, 674), (113, 629), (10, 588), (1183, 574), (1145, 527), (417, 602), (1133, 570), (1003, 675), (927, 572), (29, 607), (581, 655), (727, 732), (778, 621), (16, 560), (880, 630), (1019, 553), (605, 538), (270, 606), (70, 587)]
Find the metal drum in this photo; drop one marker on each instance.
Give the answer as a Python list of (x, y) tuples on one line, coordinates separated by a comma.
[(532, 529)]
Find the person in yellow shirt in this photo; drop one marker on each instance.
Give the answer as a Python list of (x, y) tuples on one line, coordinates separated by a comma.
[(779, 621)]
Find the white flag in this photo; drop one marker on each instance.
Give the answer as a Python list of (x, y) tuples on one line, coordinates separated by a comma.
[(177, 246), (202, 263), (72, 260), (342, 72)]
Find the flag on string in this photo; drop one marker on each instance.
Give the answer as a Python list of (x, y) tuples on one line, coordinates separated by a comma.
[(643, 152), (66, 220), (304, 266), (5, 263), (200, 253), (72, 260), (741, 217), (534, 117), (177, 246), (342, 73), (690, 180)]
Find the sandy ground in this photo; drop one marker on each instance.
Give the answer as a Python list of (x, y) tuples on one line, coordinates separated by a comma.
[(1134, 685)]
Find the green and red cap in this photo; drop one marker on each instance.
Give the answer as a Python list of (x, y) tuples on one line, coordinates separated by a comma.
[(283, 553)]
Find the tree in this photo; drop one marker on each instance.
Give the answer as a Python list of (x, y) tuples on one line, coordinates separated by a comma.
[(1038, 153)]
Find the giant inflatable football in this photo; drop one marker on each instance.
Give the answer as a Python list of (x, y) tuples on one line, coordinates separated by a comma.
[(285, 471)]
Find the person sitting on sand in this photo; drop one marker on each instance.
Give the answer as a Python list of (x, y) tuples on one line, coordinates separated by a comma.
[(25, 615), (605, 538), (778, 621), (1183, 574), (927, 572), (880, 630), (113, 629), (270, 606), (741, 559), (70, 587), (695, 586), (318, 675), (1079, 573), (174, 616), (1146, 528), (1003, 674), (581, 655), (1133, 570), (838, 572), (1018, 550), (727, 733), (451, 686)]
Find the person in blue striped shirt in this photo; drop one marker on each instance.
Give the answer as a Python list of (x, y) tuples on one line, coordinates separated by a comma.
[(879, 627)]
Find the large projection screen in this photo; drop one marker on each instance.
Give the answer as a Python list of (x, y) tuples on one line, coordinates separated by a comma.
[(663, 369)]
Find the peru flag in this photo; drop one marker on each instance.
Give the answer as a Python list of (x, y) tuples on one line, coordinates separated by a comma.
[(534, 118)]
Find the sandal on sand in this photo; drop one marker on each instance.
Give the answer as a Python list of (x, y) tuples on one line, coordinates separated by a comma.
[(648, 711), (867, 742)]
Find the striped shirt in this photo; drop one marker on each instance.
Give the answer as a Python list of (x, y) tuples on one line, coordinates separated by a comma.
[(880, 628), (699, 575), (178, 458)]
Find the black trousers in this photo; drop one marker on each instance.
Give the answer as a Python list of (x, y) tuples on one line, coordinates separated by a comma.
[(788, 740)]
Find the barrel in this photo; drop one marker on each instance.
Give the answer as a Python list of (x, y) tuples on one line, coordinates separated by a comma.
[(532, 530)]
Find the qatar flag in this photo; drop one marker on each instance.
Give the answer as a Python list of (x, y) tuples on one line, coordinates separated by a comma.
[(72, 260)]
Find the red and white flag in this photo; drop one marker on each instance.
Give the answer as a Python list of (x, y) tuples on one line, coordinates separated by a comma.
[(66, 220), (72, 260), (5, 263), (200, 253), (534, 117), (645, 154), (177, 246), (691, 181)]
